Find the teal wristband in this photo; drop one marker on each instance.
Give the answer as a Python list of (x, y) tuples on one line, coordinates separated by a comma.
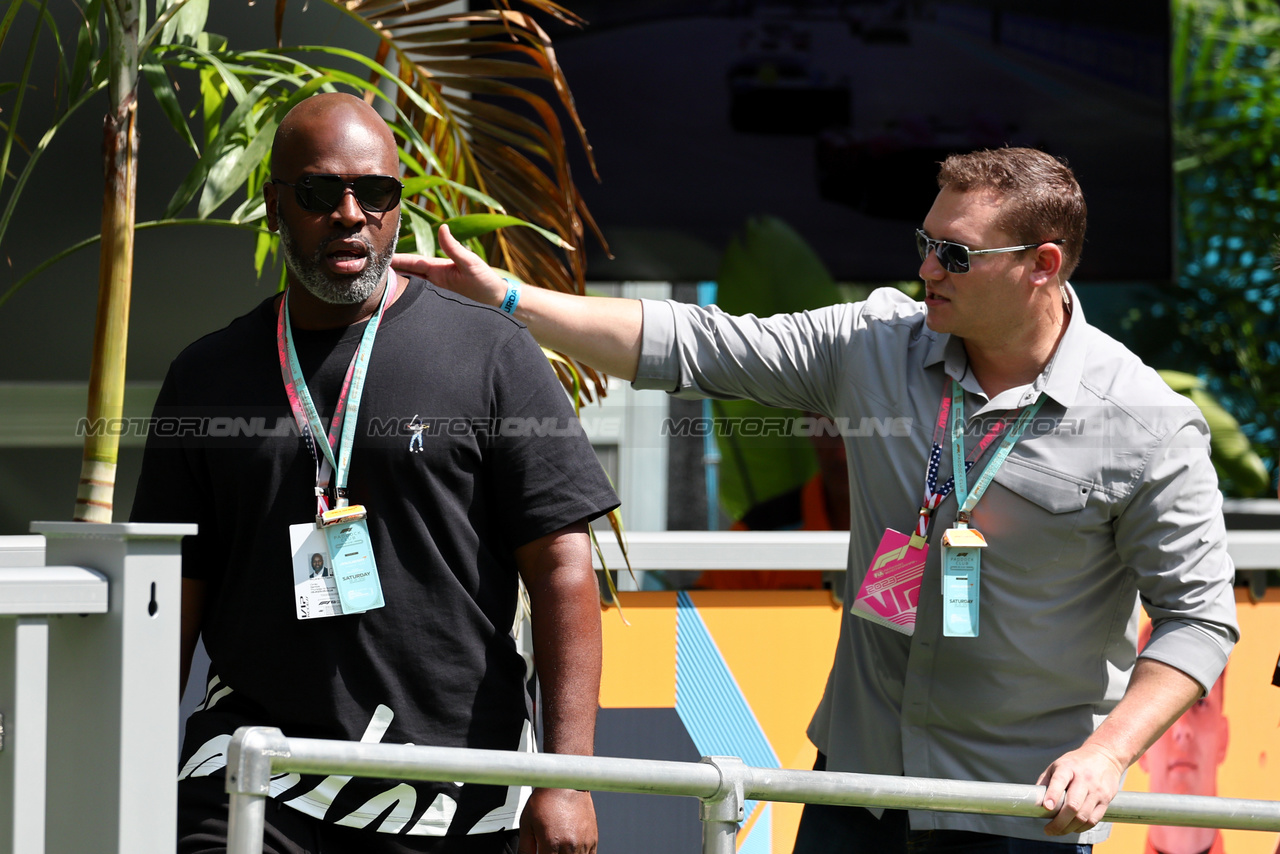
[(512, 299)]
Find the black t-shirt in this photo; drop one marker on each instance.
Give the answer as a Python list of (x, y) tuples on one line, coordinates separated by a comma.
[(500, 461)]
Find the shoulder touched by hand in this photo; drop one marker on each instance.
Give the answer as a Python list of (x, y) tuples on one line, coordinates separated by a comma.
[(461, 271)]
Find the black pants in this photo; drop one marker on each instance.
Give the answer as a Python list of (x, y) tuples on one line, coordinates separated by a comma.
[(202, 829), (854, 830)]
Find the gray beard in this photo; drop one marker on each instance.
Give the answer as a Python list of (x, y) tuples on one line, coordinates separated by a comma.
[(312, 275)]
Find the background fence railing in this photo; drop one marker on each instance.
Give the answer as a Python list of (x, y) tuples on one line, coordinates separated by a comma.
[(723, 784)]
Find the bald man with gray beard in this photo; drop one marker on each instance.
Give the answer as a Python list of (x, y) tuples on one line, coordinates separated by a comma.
[(427, 531)]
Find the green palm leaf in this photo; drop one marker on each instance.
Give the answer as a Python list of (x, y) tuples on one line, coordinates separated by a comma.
[(500, 138), (483, 164)]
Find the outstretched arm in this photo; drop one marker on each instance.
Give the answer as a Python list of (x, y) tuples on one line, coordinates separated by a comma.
[(1082, 783), (565, 604), (601, 332)]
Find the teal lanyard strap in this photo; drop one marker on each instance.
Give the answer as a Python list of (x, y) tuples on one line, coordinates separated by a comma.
[(347, 410), (968, 500)]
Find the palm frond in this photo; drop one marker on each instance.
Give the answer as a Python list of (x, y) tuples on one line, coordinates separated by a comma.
[(495, 95)]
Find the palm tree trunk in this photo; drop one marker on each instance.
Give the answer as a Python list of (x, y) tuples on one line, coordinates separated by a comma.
[(96, 492)]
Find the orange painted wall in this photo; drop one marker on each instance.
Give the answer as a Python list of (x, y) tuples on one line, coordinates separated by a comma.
[(779, 645)]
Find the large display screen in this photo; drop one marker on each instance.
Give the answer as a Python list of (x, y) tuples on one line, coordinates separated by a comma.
[(833, 116)]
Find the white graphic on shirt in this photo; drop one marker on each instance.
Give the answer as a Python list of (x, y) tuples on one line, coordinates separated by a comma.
[(316, 802), (282, 784), (212, 694), (415, 441), (211, 758), (522, 629), (508, 815), (405, 798), (437, 818), (434, 822)]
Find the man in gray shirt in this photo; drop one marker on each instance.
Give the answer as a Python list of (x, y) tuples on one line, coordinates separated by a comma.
[(1090, 482)]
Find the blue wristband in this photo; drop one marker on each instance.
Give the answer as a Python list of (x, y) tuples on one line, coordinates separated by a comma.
[(512, 299)]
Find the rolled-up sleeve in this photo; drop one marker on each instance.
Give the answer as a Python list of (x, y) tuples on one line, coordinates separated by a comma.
[(1172, 534), (657, 369)]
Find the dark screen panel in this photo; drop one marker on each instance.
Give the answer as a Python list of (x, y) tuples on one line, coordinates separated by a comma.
[(833, 116)]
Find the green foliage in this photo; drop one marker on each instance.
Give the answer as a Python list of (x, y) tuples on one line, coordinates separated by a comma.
[(766, 269), (457, 172), (232, 100), (1233, 458), (1221, 318)]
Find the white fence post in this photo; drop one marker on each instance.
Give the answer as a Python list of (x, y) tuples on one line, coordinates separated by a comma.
[(24, 701), (113, 692), (30, 593)]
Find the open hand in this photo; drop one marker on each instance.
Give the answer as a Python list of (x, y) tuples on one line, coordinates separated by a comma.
[(462, 271)]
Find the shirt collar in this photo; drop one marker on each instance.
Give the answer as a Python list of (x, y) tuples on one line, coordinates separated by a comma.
[(938, 349), (1060, 379)]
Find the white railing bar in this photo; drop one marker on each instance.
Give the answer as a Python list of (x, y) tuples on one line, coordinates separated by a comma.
[(824, 550), (715, 550), (498, 767), (1254, 549), (50, 590), (1013, 799), (509, 768), (722, 784)]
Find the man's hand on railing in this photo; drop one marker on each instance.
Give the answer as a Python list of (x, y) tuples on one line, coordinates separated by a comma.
[(1080, 785), (558, 821)]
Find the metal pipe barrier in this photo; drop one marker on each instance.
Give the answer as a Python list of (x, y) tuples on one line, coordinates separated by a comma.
[(722, 784)]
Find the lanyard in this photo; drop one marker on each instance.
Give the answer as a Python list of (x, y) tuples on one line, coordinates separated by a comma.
[(933, 494), (951, 419), (304, 410), (966, 499)]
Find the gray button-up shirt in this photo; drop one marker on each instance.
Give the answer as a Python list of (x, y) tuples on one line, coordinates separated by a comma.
[(1108, 498)]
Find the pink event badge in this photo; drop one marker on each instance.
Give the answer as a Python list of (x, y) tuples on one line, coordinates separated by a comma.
[(890, 591)]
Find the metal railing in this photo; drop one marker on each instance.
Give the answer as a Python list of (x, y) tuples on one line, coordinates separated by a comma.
[(101, 685), (723, 784), (1253, 552)]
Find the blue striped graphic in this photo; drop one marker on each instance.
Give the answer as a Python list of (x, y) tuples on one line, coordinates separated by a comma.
[(708, 700), (760, 840)]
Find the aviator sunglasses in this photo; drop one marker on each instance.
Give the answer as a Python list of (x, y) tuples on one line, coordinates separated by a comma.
[(323, 193), (954, 257)]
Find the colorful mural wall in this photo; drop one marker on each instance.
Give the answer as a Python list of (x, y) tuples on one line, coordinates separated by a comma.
[(1225, 742), (739, 673)]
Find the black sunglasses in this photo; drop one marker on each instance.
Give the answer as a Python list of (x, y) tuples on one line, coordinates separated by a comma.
[(954, 257), (323, 193)]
